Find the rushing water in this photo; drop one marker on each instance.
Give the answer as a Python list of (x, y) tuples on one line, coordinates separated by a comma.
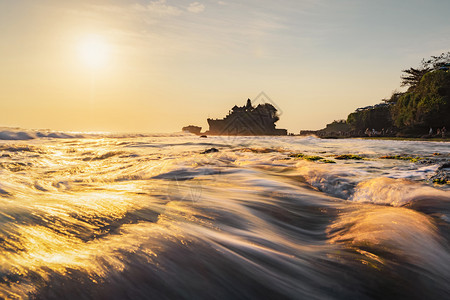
[(154, 217)]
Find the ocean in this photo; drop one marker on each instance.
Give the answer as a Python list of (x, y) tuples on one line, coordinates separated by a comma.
[(176, 216)]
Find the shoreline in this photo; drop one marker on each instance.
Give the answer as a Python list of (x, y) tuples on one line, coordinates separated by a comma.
[(394, 138)]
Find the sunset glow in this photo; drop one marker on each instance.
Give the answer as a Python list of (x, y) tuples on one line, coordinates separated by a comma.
[(158, 65), (94, 52), (232, 149)]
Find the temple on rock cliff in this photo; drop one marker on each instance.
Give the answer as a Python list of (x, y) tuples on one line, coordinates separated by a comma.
[(247, 120)]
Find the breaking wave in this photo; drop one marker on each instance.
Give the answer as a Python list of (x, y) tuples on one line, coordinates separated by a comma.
[(20, 135)]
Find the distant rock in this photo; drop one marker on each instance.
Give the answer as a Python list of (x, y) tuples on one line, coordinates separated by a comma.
[(192, 129)]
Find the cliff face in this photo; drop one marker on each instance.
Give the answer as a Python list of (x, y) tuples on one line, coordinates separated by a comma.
[(247, 120)]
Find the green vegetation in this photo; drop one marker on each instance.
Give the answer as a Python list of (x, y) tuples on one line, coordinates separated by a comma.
[(311, 158), (336, 127), (328, 161), (306, 157), (426, 105), (297, 155), (377, 117), (440, 181), (349, 156), (401, 157), (413, 77)]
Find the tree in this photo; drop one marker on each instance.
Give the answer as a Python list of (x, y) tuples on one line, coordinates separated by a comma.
[(414, 75), (377, 117), (427, 105)]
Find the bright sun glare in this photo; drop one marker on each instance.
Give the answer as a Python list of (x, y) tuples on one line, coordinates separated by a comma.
[(94, 52)]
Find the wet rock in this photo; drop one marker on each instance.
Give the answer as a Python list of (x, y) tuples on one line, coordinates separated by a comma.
[(328, 161), (210, 150), (442, 175), (445, 165)]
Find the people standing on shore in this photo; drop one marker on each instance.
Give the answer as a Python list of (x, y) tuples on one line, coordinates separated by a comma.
[(443, 131), (430, 133)]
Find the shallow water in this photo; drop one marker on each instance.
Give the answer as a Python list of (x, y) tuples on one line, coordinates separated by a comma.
[(151, 217)]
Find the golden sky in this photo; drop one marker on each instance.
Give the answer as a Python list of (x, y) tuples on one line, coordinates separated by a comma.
[(155, 66)]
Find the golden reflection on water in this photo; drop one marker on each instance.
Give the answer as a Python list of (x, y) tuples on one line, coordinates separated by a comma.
[(371, 230), (68, 211), (87, 205)]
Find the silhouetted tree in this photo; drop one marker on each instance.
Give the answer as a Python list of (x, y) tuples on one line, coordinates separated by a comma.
[(414, 75)]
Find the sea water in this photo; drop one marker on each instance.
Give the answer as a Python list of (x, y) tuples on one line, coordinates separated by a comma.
[(158, 217)]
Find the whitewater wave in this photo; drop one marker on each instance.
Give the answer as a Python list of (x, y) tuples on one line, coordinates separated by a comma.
[(160, 217), (396, 192), (20, 135)]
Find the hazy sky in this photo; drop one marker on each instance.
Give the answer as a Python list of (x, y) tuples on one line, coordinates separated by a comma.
[(155, 66)]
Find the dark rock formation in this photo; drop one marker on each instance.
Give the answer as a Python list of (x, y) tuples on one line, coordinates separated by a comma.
[(192, 129), (210, 150), (247, 120)]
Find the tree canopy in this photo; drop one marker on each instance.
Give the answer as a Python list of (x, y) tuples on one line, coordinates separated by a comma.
[(428, 105), (413, 76)]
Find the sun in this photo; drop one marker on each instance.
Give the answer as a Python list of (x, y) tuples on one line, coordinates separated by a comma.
[(94, 52)]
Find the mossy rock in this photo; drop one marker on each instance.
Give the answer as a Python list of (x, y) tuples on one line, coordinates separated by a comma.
[(306, 157), (401, 157), (349, 156), (312, 158), (441, 177), (441, 181), (328, 161)]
